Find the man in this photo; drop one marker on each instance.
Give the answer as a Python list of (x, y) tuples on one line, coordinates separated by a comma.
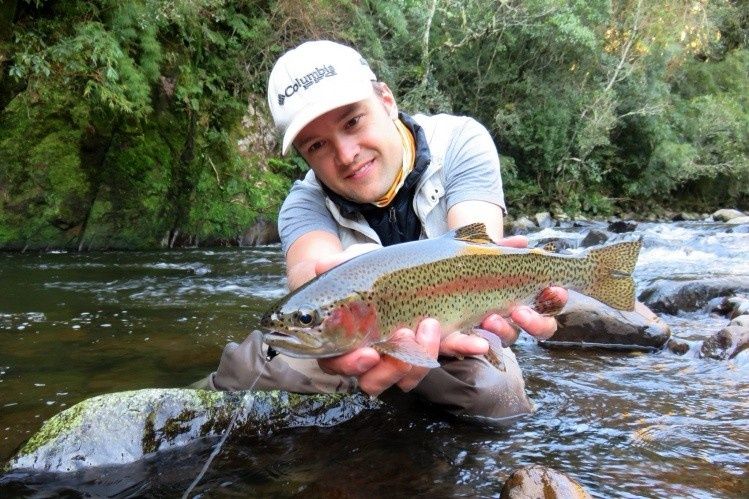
[(380, 177)]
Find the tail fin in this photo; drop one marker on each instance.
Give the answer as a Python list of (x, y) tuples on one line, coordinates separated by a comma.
[(612, 283)]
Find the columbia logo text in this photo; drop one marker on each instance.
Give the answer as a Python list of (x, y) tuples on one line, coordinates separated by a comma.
[(306, 81)]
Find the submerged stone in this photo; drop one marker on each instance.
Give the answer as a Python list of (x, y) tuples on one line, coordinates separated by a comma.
[(733, 306), (672, 297), (726, 343), (594, 237), (541, 482), (622, 226), (679, 347), (121, 428), (588, 322)]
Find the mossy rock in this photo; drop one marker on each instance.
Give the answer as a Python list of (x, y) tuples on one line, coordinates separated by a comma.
[(121, 428)]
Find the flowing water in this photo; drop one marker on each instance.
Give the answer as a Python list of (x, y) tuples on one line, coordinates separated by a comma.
[(624, 424)]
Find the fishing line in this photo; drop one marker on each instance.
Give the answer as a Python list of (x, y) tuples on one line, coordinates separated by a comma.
[(269, 356)]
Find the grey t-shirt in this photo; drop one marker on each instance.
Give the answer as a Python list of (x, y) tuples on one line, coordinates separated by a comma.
[(470, 172)]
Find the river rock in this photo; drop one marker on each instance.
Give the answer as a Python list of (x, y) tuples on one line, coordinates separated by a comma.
[(588, 322), (622, 226), (687, 216), (594, 237), (540, 482), (738, 221), (726, 343), (543, 219), (522, 225), (121, 428), (262, 232), (741, 321), (733, 306), (725, 215), (671, 297), (679, 347)]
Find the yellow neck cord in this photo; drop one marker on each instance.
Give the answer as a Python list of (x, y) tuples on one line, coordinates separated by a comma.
[(409, 158)]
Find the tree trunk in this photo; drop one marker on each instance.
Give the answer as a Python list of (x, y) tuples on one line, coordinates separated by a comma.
[(183, 182), (94, 150)]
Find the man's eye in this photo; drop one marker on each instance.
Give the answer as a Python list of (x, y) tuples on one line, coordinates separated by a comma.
[(353, 121), (314, 147)]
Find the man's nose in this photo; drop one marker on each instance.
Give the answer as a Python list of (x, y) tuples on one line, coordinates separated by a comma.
[(346, 150)]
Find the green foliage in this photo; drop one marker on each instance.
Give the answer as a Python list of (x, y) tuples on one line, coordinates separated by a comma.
[(120, 120), (42, 180), (123, 115)]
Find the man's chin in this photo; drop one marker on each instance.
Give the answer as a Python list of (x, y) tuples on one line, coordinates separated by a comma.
[(357, 196)]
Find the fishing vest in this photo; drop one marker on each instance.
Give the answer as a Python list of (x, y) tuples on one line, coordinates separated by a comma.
[(427, 202)]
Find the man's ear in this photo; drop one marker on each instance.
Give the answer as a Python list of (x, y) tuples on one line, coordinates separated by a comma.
[(388, 100)]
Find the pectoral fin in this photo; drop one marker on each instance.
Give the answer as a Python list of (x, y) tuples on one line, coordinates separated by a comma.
[(406, 351), (547, 303), (494, 355)]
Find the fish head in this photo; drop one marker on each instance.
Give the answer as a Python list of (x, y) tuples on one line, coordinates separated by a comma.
[(316, 331)]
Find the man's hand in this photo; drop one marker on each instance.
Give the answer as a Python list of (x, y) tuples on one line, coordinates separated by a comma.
[(376, 373), (539, 326)]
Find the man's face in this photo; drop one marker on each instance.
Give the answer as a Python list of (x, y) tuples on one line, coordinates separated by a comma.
[(355, 149)]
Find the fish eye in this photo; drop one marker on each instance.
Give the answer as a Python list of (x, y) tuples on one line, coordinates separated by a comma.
[(306, 316)]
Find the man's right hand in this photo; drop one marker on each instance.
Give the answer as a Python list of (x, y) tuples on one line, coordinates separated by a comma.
[(376, 372)]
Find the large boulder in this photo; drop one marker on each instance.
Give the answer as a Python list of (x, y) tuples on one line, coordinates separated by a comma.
[(726, 214), (588, 322), (121, 428), (535, 482), (672, 297), (738, 221)]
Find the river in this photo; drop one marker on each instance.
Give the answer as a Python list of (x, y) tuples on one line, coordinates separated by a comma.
[(625, 424)]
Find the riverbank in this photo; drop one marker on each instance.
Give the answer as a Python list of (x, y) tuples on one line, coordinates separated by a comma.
[(264, 231)]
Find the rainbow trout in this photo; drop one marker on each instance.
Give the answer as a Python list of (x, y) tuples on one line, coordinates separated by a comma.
[(458, 279)]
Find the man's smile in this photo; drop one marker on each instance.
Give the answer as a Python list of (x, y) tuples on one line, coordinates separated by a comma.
[(360, 171)]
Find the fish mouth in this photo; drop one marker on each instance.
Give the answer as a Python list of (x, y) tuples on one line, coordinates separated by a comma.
[(299, 343), (274, 338)]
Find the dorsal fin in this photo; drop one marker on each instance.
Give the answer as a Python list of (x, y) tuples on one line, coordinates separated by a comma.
[(473, 233)]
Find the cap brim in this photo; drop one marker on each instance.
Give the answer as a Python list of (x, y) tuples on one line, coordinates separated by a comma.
[(354, 93)]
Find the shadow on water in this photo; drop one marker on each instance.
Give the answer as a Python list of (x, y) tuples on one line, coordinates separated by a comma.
[(624, 424)]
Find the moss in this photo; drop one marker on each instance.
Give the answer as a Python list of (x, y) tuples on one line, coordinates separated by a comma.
[(214, 403), (324, 399), (173, 427), (208, 399), (149, 441), (54, 427)]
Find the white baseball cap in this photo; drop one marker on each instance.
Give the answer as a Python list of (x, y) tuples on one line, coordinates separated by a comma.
[(312, 79)]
